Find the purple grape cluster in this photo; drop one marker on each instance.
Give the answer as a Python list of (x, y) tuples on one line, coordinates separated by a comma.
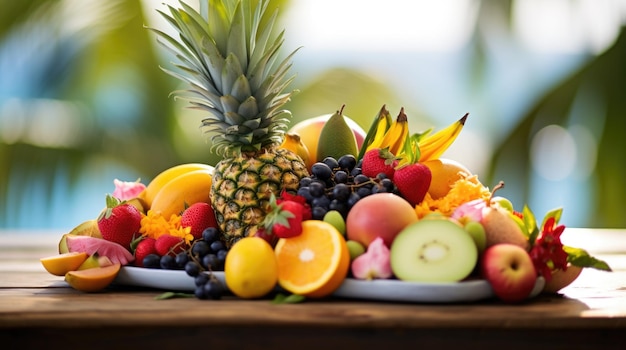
[(338, 184)]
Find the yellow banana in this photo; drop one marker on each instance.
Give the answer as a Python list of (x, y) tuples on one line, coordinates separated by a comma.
[(397, 134), (433, 145), (166, 176), (184, 190)]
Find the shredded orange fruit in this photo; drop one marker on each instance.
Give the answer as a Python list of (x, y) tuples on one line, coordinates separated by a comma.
[(463, 190), (155, 225)]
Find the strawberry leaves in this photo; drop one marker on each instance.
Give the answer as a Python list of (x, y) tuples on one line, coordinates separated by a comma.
[(285, 215)]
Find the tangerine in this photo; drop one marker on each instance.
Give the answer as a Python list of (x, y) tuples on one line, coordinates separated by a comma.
[(315, 263), (445, 172)]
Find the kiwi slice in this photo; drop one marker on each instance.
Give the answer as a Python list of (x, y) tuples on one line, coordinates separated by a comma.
[(433, 251)]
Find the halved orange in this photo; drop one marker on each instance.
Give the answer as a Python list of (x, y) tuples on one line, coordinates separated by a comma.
[(60, 264), (314, 263)]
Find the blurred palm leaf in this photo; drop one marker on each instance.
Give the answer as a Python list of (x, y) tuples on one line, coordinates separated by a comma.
[(76, 94), (597, 91)]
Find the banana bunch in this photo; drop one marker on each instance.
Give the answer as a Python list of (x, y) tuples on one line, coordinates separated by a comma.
[(384, 133), (433, 146)]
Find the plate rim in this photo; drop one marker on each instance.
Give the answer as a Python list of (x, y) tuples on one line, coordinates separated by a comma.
[(470, 290)]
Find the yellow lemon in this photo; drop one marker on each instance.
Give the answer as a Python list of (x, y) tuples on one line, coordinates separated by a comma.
[(250, 269)]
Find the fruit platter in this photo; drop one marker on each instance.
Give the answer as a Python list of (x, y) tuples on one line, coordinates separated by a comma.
[(319, 209)]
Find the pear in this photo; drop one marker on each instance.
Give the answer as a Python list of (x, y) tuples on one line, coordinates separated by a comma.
[(336, 138), (499, 225)]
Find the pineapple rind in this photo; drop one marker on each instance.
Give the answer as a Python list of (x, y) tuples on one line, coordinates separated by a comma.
[(242, 187)]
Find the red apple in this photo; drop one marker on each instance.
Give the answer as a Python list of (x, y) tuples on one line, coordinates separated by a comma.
[(510, 271), (379, 215)]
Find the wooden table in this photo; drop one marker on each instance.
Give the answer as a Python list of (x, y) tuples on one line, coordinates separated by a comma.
[(38, 310)]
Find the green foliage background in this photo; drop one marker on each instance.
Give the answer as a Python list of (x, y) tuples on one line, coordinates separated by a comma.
[(108, 71)]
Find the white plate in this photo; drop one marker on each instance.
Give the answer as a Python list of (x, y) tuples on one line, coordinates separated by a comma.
[(169, 280), (384, 290)]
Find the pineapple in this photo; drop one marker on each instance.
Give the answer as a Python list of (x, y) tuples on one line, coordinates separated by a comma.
[(228, 58)]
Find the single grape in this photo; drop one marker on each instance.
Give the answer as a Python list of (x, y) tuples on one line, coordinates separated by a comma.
[(213, 289), (152, 261), (341, 192), (321, 171), (331, 162), (221, 256), (322, 202), (181, 259), (199, 292), (317, 188), (168, 262), (200, 248), (363, 191), (359, 179), (192, 268), (305, 192), (388, 184), (201, 279), (354, 197), (318, 213), (356, 171), (217, 246), (211, 262), (339, 206), (305, 181), (210, 234), (378, 189), (341, 177), (347, 162)]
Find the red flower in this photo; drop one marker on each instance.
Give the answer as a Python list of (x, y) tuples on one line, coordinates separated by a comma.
[(547, 253)]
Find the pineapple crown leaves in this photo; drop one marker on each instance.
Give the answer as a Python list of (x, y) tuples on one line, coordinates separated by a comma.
[(229, 59)]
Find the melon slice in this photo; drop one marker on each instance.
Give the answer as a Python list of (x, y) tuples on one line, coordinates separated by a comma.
[(92, 280), (60, 264), (92, 245)]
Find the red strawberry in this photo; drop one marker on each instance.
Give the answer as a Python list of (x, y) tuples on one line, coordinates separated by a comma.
[(119, 222), (413, 181), (144, 248), (285, 218), (169, 245), (377, 160), (198, 216)]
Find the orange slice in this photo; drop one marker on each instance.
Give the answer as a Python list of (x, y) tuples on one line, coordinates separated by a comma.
[(315, 263), (60, 264)]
